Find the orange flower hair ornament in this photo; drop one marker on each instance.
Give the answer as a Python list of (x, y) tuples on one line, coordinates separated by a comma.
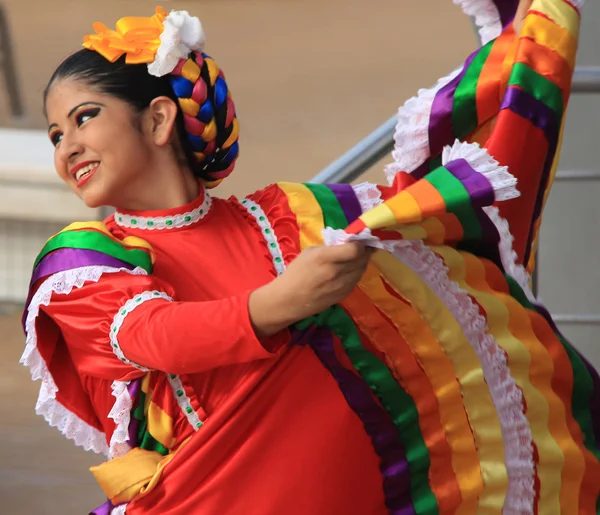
[(161, 41)]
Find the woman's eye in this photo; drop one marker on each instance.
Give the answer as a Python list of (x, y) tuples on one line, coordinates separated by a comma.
[(56, 138), (87, 115)]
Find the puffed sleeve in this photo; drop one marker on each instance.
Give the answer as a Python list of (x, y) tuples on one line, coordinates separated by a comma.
[(123, 324)]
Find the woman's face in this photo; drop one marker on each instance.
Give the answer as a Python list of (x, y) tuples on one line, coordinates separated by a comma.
[(100, 150)]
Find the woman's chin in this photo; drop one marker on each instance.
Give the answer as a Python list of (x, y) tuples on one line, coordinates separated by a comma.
[(93, 198)]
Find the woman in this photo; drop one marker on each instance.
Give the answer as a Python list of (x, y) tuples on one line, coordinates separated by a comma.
[(229, 362)]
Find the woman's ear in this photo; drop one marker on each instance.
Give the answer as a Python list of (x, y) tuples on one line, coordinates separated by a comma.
[(161, 117)]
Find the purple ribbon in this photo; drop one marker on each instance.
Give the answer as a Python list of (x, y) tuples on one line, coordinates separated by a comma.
[(489, 247), (133, 388), (377, 423), (481, 192), (507, 10), (477, 185), (347, 199), (67, 259), (441, 131), (105, 509)]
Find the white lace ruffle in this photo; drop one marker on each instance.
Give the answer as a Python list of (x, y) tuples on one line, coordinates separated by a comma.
[(119, 510), (47, 406), (503, 182), (508, 254), (69, 424), (182, 34), (119, 318), (411, 137), (368, 195), (506, 395), (485, 15), (121, 414)]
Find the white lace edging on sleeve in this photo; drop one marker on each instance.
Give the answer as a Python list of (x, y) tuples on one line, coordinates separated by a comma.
[(502, 181), (119, 318), (69, 424), (411, 137)]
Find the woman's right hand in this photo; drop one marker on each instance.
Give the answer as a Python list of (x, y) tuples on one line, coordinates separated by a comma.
[(317, 279)]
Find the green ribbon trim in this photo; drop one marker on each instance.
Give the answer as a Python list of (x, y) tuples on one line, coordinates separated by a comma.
[(394, 400), (333, 214), (464, 105), (145, 439), (458, 201), (93, 240), (539, 87)]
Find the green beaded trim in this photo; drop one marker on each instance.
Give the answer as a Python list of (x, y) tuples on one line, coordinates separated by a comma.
[(184, 401), (165, 222), (268, 233)]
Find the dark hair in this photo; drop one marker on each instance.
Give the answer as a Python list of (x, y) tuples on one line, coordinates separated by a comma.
[(132, 83)]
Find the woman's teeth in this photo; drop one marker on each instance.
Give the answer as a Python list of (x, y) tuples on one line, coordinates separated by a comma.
[(85, 171)]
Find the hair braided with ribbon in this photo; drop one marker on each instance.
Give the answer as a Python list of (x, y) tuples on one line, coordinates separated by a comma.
[(209, 116)]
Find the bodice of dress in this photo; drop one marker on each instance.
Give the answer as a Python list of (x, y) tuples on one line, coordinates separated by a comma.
[(209, 250)]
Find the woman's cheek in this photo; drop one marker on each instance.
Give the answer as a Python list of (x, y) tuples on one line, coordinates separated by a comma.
[(61, 170)]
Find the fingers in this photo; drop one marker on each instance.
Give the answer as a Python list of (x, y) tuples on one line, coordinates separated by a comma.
[(350, 273), (348, 252)]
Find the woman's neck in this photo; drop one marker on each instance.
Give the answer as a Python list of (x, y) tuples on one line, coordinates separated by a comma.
[(164, 185)]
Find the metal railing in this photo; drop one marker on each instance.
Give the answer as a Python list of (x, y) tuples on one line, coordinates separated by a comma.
[(379, 144), (7, 65)]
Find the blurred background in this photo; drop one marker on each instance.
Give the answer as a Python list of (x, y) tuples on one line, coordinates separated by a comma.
[(310, 78)]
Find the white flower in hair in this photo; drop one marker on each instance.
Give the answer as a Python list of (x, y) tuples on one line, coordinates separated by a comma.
[(182, 34)]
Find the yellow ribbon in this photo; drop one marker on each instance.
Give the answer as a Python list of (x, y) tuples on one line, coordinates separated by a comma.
[(137, 38)]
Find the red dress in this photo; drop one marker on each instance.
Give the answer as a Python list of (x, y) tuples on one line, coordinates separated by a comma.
[(440, 385), (278, 436)]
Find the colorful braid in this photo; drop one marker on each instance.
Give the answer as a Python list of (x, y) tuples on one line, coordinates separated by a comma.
[(209, 116)]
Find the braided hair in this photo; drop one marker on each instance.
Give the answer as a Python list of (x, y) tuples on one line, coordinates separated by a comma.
[(209, 116), (207, 126)]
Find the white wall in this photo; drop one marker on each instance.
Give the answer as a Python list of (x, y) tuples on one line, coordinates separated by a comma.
[(34, 205)]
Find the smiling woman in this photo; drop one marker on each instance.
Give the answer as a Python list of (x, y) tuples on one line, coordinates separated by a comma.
[(133, 143), (259, 356)]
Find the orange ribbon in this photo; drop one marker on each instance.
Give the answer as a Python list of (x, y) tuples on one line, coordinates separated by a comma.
[(136, 37)]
